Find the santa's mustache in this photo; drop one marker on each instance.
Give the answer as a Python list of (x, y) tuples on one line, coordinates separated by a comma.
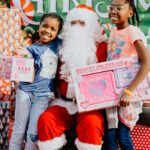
[(78, 46), (75, 31)]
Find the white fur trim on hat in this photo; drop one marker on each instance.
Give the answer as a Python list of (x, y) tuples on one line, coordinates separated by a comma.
[(81, 14), (53, 144), (86, 146), (70, 106)]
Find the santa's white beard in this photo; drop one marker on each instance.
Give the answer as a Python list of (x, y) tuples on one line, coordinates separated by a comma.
[(79, 49)]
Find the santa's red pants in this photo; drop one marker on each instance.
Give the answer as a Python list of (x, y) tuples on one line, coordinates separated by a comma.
[(56, 120)]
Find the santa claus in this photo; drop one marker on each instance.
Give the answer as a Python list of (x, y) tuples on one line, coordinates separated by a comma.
[(84, 42)]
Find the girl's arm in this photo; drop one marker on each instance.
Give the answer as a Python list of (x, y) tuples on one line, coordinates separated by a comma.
[(142, 73)]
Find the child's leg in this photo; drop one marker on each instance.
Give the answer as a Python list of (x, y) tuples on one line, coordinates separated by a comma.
[(124, 137), (22, 110), (37, 108), (110, 139)]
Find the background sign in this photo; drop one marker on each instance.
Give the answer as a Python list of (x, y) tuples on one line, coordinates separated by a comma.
[(32, 10)]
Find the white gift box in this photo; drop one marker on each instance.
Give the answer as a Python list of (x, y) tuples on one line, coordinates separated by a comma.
[(22, 69), (100, 85), (17, 69)]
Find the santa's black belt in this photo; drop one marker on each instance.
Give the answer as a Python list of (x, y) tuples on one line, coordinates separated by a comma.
[(68, 99)]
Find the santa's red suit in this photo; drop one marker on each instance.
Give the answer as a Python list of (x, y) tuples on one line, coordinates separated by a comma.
[(62, 115)]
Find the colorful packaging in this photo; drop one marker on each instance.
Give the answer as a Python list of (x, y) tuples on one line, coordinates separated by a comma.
[(5, 89), (5, 66)]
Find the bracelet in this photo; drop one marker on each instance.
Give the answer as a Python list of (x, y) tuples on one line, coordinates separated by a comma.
[(127, 91)]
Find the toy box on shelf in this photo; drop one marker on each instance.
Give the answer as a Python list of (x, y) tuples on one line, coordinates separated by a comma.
[(100, 85)]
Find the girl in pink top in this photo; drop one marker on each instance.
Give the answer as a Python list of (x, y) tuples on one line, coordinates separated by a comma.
[(125, 41)]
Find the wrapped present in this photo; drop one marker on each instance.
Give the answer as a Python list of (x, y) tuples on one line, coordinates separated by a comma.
[(100, 85), (5, 75), (5, 66), (5, 89), (10, 28), (17, 69)]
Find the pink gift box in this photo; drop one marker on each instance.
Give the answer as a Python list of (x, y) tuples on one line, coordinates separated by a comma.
[(100, 85), (5, 67), (93, 91)]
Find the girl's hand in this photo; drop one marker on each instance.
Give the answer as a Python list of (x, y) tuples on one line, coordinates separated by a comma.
[(22, 52), (125, 100)]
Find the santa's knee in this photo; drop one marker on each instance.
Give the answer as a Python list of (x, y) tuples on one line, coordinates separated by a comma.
[(45, 126), (90, 129), (87, 124), (44, 120)]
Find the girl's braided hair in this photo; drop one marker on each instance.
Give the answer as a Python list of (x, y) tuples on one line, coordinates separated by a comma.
[(135, 17)]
